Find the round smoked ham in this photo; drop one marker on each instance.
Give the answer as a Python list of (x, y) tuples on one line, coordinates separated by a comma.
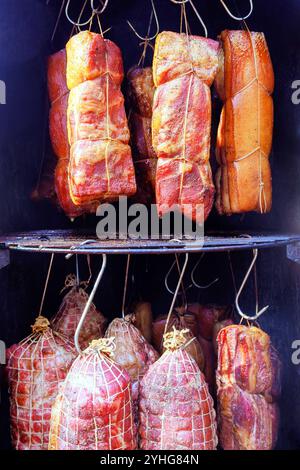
[(94, 408), (69, 314), (35, 369), (176, 410), (132, 351)]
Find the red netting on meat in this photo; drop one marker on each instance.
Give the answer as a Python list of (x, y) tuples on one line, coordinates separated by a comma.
[(176, 410), (36, 367), (94, 408), (70, 311), (132, 351)]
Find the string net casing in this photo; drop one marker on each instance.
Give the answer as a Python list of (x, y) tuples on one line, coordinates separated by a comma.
[(132, 351), (35, 368), (176, 410), (248, 382), (69, 314), (94, 409), (180, 319)]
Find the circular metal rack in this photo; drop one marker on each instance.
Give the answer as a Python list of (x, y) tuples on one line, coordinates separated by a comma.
[(74, 241)]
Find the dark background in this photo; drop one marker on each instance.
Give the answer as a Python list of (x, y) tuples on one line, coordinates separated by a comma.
[(25, 30)]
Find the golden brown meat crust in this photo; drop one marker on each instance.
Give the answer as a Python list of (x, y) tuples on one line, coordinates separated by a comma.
[(245, 82)]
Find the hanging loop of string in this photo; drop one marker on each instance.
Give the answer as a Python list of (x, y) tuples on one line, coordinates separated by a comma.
[(98, 11), (199, 286), (77, 23), (176, 291), (125, 286), (258, 312), (46, 284), (183, 3), (147, 38), (88, 304), (237, 18)]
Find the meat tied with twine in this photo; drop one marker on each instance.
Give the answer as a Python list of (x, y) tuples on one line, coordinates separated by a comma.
[(70, 311), (35, 369), (132, 351), (181, 320), (248, 381), (94, 408), (176, 410)]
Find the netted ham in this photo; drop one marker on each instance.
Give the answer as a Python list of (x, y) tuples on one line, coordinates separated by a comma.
[(245, 83), (248, 381), (35, 368), (184, 67), (180, 319), (140, 92), (94, 408), (101, 165), (132, 351), (176, 409), (59, 96), (70, 311)]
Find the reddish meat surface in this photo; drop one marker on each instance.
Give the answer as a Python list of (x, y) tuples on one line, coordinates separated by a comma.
[(183, 69), (94, 408), (67, 318), (101, 166), (132, 351), (248, 381), (36, 367), (140, 96), (176, 409)]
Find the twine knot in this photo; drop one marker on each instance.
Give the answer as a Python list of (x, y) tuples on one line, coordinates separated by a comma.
[(106, 346), (41, 324), (174, 339)]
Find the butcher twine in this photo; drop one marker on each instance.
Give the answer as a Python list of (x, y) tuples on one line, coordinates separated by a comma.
[(105, 346), (36, 367), (180, 367)]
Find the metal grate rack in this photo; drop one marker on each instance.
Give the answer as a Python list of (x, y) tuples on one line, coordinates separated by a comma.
[(65, 241)]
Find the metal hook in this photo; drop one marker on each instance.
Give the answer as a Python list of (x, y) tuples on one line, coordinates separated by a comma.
[(199, 18), (183, 2), (78, 24), (236, 17), (176, 291), (96, 11), (88, 304), (260, 312), (172, 292), (157, 26), (75, 247), (193, 275)]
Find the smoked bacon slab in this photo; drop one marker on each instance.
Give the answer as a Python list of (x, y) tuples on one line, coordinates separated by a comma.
[(245, 83), (184, 67)]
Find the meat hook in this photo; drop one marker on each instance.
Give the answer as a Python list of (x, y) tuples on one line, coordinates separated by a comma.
[(74, 23), (88, 304), (258, 313), (199, 286), (97, 11), (183, 3), (236, 17), (176, 291), (157, 26)]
